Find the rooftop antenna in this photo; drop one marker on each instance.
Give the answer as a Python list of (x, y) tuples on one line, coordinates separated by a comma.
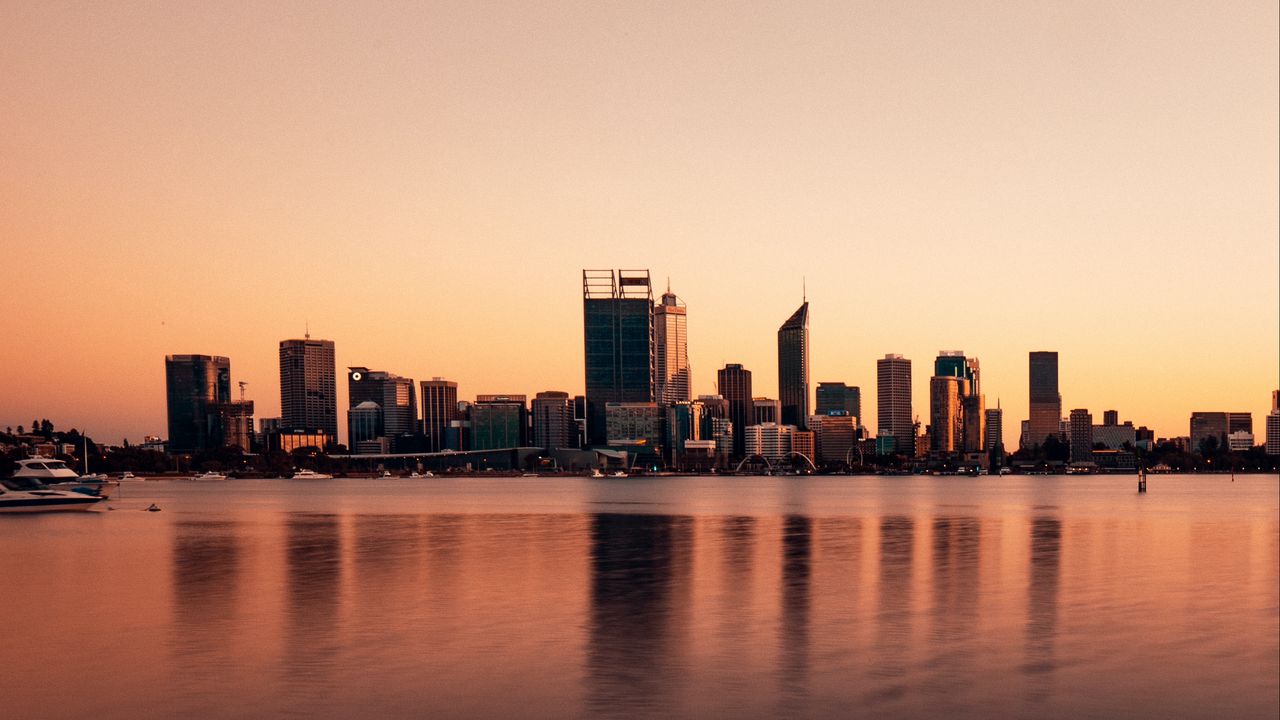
[(307, 333), (243, 383), (804, 289), (668, 284)]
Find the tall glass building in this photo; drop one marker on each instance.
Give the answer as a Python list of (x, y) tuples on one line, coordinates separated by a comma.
[(893, 403), (194, 386), (838, 397), (618, 335), (1046, 403), (793, 368), (308, 386), (671, 350), (394, 395), (734, 383)]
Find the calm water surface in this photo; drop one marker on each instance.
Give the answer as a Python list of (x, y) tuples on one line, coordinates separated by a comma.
[(1034, 597)]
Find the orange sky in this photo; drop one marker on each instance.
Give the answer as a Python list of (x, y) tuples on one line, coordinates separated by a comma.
[(423, 183)]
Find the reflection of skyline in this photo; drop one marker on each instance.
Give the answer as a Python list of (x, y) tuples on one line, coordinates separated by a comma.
[(206, 570), (1042, 602), (636, 563), (313, 559), (956, 543), (893, 620), (797, 531)]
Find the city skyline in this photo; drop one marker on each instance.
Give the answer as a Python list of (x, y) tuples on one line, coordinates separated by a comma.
[(1052, 165)]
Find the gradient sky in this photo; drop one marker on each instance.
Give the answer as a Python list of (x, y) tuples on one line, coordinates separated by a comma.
[(423, 183)]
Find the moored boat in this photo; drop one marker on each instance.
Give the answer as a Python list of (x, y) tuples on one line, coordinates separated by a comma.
[(310, 475), (49, 472), (210, 475), (26, 495)]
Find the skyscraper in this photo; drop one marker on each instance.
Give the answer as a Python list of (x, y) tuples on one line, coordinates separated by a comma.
[(194, 386), (1081, 435), (793, 367), (439, 408), (838, 397), (953, 363), (499, 422), (994, 436), (946, 424), (1273, 425), (671, 350), (394, 395), (893, 400), (553, 425), (617, 309), (1046, 403), (734, 383), (308, 386)]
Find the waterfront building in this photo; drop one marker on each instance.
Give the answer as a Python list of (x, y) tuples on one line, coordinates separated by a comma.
[(1239, 441), (734, 383), (993, 435), (1046, 402), (308, 386), (194, 385), (618, 332), (838, 397), (684, 422), (553, 423), (793, 367), (836, 438), (803, 442), (1115, 437), (671, 349), (636, 426), (724, 436), (1081, 435), (946, 421), (235, 423), (713, 406), (364, 424), (1239, 422), (1273, 425), (286, 441), (394, 395), (769, 440), (498, 422), (893, 400), (1206, 425), (439, 409), (766, 410)]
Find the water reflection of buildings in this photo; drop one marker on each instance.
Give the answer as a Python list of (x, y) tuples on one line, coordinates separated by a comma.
[(1042, 602), (956, 542), (206, 570), (633, 655), (897, 540), (313, 559), (797, 534)]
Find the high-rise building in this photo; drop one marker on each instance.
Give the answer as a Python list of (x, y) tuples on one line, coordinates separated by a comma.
[(364, 428), (636, 426), (684, 422), (768, 440), (1081, 435), (235, 420), (713, 407), (617, 310), (1273, 425), (439, 409), (793, 367), (308, 386), (953, 363), (499, 421), (993, 438), (1207, 425), (1046, 403), (194, 385), (838, 397), (734, 383), (836, 437), (671, 349), (553, 425), (946, 422), (804, 442), (893, 403), (1110, 417), (766, 410), (1239, 422), (394, 395), (973, 416)]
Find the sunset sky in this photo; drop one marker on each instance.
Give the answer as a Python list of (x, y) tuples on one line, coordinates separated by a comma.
[(423, 183)]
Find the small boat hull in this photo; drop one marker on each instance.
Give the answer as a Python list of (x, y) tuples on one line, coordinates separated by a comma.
[(48, 504)]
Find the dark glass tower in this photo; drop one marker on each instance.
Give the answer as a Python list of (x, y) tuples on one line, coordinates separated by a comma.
[(617, 311), (838, 397), (194, 385), (793, 367), (734, 383), (1046, 403), (394, 395)]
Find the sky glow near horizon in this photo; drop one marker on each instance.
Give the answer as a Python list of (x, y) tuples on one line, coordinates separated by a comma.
[(423, 184)]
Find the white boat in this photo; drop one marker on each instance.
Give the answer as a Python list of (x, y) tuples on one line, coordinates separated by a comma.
[(127, 476), (620, 474), (310, 475), (25, 495), (210, 475), (47, 471), (597, 474), (415, 475)]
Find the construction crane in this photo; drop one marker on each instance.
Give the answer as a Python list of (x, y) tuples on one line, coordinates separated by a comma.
[(242, 385)]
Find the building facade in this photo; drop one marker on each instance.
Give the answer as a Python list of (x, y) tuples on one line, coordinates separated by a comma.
[(839, 397), (1081, 435), (439, 409), (498, 422), (765, 410), (194, 386), (553, 425), (308, 386), (793, 367), (618, 334), (1046, 403), (671, 350), (946, 420), (893, 403), (394, 395), (993, 437), (734, 383), (769, 440)]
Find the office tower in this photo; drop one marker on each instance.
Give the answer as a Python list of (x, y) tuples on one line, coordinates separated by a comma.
[(768, 440), (364, 429), (638, 427), (1273, 425), (734, 383), (765, 410), (793, 367), (235, 421), (394, 395), (1081, 435), (671, 350), (946, 423), (993, 438), (684, 422), (580, 419), (617, 309), (893, 400), (553, 425), (308, 386), (439, 409), (713, 407), (838, 397), (1110, 417), (1206, 425), (194, 384), (498, 422), (837, 435), (804, 442), (1239, 422), (1046, 403), (953, 363)]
